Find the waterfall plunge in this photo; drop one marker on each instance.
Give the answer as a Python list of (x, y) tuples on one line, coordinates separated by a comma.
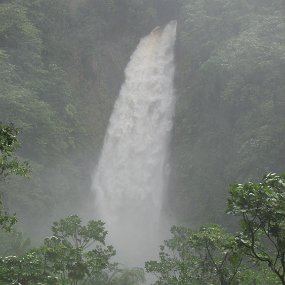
[(132, 173)]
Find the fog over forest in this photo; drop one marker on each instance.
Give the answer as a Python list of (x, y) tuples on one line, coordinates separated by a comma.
[(126, 125)]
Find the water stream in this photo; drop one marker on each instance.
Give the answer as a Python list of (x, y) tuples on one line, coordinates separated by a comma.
[(132, 172)]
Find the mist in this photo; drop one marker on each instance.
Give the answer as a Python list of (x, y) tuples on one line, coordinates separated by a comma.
[(123, 120)]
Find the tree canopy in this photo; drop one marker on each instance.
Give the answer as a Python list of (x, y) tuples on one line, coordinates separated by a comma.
[(61, 67), (261, 207)]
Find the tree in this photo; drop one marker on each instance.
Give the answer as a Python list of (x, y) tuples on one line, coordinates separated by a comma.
[(229, 122), (197, 257), (64, 258), (9, 164), (68, 248), (26, 269), (13, 243), (261, 207)]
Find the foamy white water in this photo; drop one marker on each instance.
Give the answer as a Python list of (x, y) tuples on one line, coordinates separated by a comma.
[(132, 172)]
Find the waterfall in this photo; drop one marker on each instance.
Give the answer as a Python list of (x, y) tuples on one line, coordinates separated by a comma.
[(132, 172)]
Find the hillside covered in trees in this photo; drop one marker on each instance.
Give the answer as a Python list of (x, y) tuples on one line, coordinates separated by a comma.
[(61, 67)]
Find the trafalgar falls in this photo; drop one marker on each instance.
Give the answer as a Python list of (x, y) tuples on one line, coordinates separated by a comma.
[(131, 176)]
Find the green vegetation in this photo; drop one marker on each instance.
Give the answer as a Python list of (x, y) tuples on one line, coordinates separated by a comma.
[(210, 255), (229, 123), (62, 64), (262, 210), (9, 164), (61, 67), (64, 258)]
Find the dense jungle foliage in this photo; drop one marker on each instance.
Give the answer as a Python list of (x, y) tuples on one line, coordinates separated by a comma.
[(61, 67)]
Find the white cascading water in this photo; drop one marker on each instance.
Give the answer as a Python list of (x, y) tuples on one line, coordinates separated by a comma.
[(132, 172)]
